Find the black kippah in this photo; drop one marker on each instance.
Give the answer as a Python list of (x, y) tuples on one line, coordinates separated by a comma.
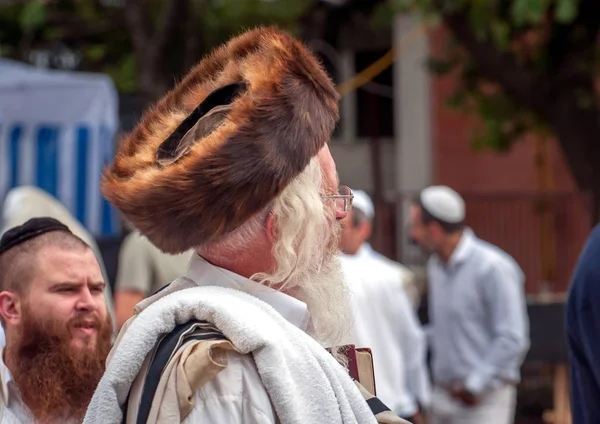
[(33, 228)]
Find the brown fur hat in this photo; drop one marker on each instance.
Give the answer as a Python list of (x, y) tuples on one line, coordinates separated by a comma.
[(222, 144)]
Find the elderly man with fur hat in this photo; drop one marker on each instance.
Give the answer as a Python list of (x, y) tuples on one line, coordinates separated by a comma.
[(234, 164)]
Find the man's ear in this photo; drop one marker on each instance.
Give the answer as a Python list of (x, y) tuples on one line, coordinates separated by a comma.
[(271, 227), (436, 230), (10, 307), (366, 229)]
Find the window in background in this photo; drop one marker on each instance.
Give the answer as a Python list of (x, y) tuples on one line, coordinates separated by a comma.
[(375, 104)]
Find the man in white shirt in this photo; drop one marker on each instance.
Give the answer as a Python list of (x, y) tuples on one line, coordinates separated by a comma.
[(384, 319), (355, 242), (479, 330), (233, 163), (58, 331)]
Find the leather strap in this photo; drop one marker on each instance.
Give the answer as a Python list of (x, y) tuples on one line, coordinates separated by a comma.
[(165, 350)]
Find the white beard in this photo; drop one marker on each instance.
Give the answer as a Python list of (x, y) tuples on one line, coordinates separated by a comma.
[(327, 298)]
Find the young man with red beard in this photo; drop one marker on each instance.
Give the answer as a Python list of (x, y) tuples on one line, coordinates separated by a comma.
[(58, 331)]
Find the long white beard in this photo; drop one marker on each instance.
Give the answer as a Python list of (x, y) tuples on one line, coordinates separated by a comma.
[(327, 297)]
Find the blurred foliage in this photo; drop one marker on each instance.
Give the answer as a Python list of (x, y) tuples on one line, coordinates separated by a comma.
[(226, 17), (540, 36), (102, 36)]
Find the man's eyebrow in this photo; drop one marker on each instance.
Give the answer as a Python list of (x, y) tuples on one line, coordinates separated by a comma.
[(64, 284)]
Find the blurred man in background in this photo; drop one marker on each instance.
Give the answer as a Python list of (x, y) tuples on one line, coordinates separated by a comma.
[(384, 319), (479, 330), (355, 242), (143, 270), (58, 331)]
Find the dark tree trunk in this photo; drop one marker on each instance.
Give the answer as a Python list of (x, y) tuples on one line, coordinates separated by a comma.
[(577, 131), (151, 41)]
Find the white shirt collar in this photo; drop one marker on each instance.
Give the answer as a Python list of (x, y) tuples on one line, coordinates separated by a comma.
[(204, 273), (463, 248), (5, 376), (364, 251)]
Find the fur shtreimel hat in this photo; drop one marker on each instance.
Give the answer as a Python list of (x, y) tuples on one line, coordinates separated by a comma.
[(222, 144)]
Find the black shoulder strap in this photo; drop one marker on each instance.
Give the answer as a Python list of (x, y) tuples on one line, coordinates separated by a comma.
[(165, 350)]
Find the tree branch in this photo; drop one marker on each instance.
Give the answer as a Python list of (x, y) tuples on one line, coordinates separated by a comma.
[(173, 14), (194, 39), (151, 42), (139, 25), (570, 44)]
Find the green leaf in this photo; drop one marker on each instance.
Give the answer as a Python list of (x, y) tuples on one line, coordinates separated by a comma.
[(5, 50), (529, 11), (86, 10), (585, 99), (55, 33), (440, 66), (383, 15), (402, 6), (33, 15), (500, 31), (124, 74), (96, 52), (519, 12), (479, 16), (566, 11)]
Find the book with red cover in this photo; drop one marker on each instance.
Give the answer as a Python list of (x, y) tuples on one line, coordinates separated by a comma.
[(360, 366)]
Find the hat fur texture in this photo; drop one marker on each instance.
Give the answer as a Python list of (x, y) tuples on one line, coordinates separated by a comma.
[(222, 144)]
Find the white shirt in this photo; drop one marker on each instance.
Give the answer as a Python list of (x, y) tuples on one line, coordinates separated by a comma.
[(237, 394), (479, 330), (385, 322), (409, 281), (14, 411)]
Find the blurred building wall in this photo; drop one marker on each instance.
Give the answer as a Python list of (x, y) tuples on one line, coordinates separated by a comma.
[(543, 230)]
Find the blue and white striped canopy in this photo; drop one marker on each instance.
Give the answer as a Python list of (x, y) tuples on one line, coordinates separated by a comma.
[(57, 132)]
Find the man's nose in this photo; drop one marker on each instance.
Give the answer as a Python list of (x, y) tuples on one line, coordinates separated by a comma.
[(340, 214), (86, 301)]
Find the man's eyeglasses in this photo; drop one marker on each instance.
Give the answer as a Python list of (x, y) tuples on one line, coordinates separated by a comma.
[(343, 200)]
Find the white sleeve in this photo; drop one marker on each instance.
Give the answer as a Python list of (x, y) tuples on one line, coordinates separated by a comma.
[(414, 350), (233, 410)]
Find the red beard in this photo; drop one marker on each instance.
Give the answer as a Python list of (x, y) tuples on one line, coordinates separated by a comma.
[(57, 379)]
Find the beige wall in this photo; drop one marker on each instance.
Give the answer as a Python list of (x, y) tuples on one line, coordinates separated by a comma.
[(354, 164)]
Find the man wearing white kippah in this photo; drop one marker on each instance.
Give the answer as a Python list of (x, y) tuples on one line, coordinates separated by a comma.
[(355, 242), (384, 319), (479, 330)]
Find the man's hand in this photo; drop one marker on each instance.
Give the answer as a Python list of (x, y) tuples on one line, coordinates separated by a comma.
[(464, 396)]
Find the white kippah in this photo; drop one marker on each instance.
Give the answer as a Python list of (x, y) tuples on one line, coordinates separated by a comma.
[(444, 204), (363, 202)]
